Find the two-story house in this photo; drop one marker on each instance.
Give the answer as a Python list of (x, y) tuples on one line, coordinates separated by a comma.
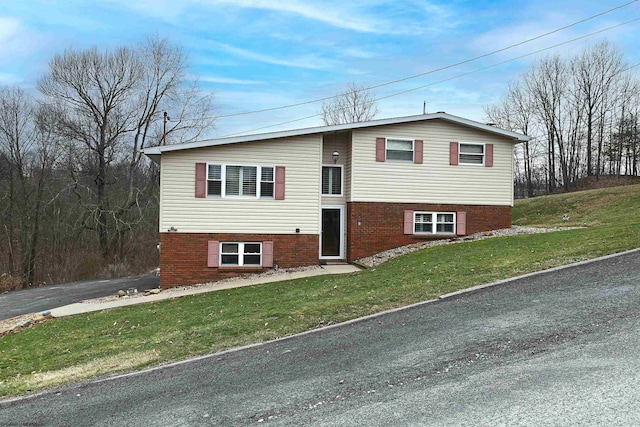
[(299, 197)]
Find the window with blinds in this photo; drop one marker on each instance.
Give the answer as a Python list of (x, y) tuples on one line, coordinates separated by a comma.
[(243, 181), (332, 180), (214, 180)]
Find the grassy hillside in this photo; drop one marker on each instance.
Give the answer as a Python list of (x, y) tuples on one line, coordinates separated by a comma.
[(129, 338), (606, 206)]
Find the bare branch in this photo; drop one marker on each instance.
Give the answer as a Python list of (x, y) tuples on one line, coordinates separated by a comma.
[(355, 104)]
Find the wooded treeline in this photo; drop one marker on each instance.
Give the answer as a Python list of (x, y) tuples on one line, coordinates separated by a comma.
[(582, 112), (77, 198)]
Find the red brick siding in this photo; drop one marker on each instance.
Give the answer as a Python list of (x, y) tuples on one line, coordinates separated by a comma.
[(183, 256), (382, 224)]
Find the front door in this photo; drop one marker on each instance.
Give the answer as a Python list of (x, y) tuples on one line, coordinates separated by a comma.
[(332, 238)]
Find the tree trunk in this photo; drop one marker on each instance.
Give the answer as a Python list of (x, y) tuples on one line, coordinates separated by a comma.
[(589, 139)]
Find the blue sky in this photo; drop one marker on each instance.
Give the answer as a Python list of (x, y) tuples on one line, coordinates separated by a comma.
[(261, 54)]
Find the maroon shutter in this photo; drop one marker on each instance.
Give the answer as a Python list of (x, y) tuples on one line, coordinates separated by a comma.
[(267, 254), (380, 149), (408, 222), (488, 155), (212, 253), (453, 153), (461, 223), (201, 180), (417, 148), (279, 183)]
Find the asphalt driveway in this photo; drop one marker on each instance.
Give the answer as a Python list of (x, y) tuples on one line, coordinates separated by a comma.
[(34, 300), (559, 348)]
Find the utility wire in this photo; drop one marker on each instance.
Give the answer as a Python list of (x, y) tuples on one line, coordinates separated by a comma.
[(459, 75), (515, 59), (435, 70)]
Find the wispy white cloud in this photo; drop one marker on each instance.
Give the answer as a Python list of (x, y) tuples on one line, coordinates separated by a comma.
[(225, 80), (309, 61), (273, 52), (16, 43), (357, 72), (508, 35), (549, 20), (166, 10), (335, 14), (9, 27), (9, 79), (358, 53)]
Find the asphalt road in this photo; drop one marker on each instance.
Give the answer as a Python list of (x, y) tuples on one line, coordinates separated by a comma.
[(35, 300), (558, 348)]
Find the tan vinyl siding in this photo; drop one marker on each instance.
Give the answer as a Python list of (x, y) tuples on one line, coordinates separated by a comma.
[(433, 181), (301, 157), (341, 144)]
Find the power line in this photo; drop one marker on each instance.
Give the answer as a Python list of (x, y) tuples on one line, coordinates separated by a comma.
[(466, 61), (461, 75), (515, 59), (270, 126), (630, 67)]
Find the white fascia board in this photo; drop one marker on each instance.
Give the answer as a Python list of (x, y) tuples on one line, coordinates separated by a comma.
[(156, 151)]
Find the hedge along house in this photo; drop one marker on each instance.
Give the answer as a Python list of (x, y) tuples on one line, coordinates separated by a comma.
[(295, 198)]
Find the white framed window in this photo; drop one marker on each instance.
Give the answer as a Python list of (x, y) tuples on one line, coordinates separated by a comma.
[(240, 254), (214, 180), (267, 182), (434, 222), (332, 180), (399, 149), (471, 153), (240, 181)]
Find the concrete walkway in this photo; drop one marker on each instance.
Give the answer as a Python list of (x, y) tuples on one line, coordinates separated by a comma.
[(97, 305)]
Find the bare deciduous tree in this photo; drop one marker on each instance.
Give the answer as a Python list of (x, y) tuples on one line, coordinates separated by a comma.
[(17, 135), (595, 73), (355, 104), (111, 105), (515, 112), (29, 150), (97, 93), (75, 190), (582, 112)]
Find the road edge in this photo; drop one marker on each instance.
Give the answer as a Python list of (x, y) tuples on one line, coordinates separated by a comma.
[(324, 328)]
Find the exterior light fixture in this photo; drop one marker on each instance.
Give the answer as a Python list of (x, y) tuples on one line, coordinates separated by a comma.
[(335, 157)]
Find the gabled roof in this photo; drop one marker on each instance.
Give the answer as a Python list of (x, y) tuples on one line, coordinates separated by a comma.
[(155, 152)]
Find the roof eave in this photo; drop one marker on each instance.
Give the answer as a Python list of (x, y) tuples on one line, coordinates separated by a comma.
[(155, 152)]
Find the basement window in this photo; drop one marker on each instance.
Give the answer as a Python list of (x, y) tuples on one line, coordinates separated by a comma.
[(434, 222), (240, 254)]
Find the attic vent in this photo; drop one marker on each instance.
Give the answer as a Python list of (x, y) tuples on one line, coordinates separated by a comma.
[(441, 112)]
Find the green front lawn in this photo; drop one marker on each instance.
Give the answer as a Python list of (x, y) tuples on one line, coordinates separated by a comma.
[(85, 346)]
